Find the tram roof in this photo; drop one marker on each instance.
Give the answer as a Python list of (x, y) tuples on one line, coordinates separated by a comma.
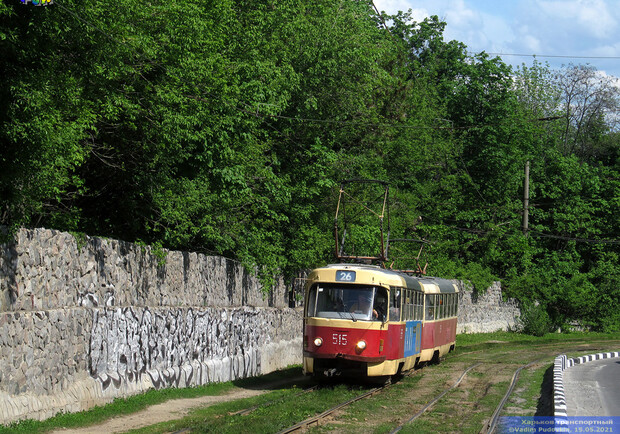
[(427, 284)]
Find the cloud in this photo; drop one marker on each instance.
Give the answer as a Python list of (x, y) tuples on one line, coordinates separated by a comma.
[(567, 27), (590, 17), (542, 27), (393, 6)]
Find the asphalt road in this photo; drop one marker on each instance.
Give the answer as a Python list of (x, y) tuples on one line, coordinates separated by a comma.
[(593, 388)]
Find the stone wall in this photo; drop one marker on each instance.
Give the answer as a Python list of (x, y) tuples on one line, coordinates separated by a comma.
[(87, 320), (84, 322), (486, 311), (45, 269)]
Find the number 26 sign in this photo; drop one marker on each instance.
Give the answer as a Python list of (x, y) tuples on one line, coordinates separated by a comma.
[(345, 276)]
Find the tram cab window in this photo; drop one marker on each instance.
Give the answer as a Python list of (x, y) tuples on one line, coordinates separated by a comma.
[(354, 302), (311, 303)]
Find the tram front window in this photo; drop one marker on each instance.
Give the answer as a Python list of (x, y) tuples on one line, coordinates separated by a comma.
[(352, 302)]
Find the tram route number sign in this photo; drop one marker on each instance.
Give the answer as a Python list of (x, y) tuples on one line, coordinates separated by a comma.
[(345, 276)]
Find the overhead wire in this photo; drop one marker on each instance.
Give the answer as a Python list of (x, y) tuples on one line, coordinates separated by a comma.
[(535, 233), (559, 56)]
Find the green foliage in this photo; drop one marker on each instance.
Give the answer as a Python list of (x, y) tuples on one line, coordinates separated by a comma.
[(226, 127), (80, 239), (534, 320)]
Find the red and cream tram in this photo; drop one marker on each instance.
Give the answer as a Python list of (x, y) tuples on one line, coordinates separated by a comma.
[(364, 320)]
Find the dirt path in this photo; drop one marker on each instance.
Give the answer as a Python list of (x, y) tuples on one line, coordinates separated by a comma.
[(166, 411)]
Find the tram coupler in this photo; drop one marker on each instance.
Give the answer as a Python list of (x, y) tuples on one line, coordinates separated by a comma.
[(332, 372)]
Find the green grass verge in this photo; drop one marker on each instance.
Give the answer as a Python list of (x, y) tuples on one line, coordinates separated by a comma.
[(287, 409), (124, 406)]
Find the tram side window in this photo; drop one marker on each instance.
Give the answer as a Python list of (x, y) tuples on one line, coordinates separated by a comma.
[(452, 304), (456, 304), (381, 304), (395, 295), (430, 306), (419, 305), (455, 311), (443, 306)]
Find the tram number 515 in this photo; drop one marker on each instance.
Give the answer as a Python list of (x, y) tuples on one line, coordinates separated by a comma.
[(339, 339)]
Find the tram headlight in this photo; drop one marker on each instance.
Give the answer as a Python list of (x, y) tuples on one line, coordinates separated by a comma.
[(318, 342), (361, 345)]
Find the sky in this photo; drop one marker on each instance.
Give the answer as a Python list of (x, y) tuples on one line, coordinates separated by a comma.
[(585, 31)]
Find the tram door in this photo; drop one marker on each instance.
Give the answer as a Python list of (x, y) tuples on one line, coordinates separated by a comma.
[(413, 325)]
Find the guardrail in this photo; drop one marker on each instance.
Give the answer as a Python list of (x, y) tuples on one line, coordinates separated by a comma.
[(562, 363)]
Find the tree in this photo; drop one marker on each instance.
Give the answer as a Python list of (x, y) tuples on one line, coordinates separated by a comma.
[(590, 101)]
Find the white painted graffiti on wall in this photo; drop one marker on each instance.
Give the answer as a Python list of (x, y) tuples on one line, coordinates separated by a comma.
[(176, 347)]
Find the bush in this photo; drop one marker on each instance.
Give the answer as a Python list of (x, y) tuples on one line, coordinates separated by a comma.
[(534, 320)]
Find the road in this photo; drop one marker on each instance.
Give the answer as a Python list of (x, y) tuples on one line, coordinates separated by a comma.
[(593, 388)]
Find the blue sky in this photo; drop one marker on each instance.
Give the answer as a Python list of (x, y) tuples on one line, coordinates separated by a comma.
[(544, 27)]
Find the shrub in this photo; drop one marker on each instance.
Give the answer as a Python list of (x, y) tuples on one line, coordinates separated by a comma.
[(534, 319)]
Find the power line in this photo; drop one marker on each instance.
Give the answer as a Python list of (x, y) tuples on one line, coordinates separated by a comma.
[(557, 56), (578, 240), (483, 232)]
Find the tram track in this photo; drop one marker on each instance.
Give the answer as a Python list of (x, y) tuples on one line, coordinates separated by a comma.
[(315, 419), (246, 411), (489, 427), (463, 397), (492, 424), (435, 399)]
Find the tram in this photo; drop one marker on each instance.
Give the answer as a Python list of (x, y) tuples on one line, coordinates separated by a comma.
[(367, 321)]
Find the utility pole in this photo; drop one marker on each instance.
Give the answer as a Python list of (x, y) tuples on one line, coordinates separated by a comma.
[(526, 197)]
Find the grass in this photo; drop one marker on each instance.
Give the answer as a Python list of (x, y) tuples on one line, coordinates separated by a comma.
[(526, 397), (280, 414), (501, 353), (468, 409), (124, 406)]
